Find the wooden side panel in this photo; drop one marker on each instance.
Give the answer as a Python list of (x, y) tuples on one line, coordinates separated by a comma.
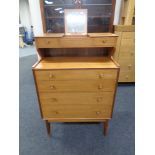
[(116, 54), (130, 12)]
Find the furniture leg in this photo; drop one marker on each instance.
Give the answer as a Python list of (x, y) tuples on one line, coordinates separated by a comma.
[(105, 126), (48, 127)]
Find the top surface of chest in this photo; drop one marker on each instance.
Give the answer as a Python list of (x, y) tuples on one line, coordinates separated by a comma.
[(76, 63)]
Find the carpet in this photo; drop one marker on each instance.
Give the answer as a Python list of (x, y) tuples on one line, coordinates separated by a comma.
[(73, 138)]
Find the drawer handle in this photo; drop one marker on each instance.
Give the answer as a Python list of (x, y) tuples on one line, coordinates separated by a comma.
[(101, 76), (51, 76), (55, 112), (103, 41), (99, 99), (52, 87), (54, 99), (100, 86), (48, 42), (132, 53), (126, 76), (98, 112), (129, 66)]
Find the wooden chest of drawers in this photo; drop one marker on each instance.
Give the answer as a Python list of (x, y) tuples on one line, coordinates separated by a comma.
[(76, 89)]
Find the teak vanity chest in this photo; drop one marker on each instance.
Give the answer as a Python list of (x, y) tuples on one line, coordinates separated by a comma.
[(76, 88)]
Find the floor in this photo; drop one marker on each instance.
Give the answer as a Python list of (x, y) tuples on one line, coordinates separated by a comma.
[(27, 50), (72, 138)]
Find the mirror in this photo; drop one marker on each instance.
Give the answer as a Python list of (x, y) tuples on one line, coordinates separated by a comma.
[(75, 21)]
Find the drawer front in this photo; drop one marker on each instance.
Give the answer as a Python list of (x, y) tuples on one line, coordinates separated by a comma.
[(103, 98), (127, 64), (78, 85), (128, 35), (75, 74), (76, 111), (127, 46), (76, 42), (127, 76)]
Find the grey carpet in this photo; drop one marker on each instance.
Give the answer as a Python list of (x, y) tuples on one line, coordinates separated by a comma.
[(73, 138)]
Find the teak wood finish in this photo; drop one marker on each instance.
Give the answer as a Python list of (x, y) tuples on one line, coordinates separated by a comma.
[(76, 89)]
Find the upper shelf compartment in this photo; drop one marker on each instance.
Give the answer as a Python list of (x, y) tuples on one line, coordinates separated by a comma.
[(91, 41), (71, 2), (100, 14)]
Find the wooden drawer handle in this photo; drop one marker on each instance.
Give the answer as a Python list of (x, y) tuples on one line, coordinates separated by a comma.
[(101, 76), (132, 53), (98, 112), (126, 76), (54, 99), (48, 42), (99, 99), (100, 86), (129, 66), (103, 41), (51, 76), (52, 87), (55, 112)]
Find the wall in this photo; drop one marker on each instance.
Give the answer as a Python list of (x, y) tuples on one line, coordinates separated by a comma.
[(36, 16), (117, 11), (25, 16)]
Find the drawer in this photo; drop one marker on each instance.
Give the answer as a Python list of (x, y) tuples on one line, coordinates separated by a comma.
[(127, 54), (71, 42), (105, 98), (128, 35), (78, 85), (127, 46), (127, 64), (76, 74), (127, 76), (76, 111)]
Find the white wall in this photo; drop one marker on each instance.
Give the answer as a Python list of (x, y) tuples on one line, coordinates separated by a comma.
[(117, 11), (36, 16), (25, 16)]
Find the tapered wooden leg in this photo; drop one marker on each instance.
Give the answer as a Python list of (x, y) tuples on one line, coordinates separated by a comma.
[(48, 127), (105, 126)]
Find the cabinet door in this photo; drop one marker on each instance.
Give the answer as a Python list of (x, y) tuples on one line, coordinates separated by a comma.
[(100, 14)]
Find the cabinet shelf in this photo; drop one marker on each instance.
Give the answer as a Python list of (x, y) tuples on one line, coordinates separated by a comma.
[(55, 17), (62, 5), (99, 13)]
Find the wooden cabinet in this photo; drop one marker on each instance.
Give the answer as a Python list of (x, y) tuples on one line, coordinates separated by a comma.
[(125, 52), (76, 89), (100, 14)]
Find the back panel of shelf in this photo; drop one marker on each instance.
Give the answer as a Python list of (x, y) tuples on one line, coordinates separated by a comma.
[(100, 14)]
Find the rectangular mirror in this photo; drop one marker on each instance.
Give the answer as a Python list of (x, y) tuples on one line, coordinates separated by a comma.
[(75, 21)]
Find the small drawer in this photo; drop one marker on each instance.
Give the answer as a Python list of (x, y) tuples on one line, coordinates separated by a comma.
[(128, 35), (75, 74), (105, 98), (76, 111), (127, 46), (77, 86), (74, 42), (127, 64), (106, 42), (127, 76)]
